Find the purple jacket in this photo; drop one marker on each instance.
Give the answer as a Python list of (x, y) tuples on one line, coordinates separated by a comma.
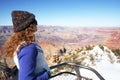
[(27, 59)]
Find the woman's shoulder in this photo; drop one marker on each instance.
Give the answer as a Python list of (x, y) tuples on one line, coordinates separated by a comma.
[(28, 48), (31, 46), (28, 52)]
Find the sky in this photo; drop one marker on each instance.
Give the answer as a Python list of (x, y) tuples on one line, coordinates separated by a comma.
[(74, 13)]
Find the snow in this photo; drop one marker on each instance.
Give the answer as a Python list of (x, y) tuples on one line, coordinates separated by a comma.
[(106, 65), (109, 70)]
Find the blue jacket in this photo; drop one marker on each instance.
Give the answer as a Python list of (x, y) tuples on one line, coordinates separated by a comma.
[(27, 59)]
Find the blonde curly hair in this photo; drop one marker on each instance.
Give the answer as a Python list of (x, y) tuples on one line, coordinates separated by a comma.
[(16, 38)]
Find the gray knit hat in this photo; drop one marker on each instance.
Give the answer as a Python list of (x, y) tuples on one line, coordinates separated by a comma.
[(22, 19)]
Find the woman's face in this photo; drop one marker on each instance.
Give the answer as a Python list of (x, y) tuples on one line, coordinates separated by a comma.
[(35, 27)]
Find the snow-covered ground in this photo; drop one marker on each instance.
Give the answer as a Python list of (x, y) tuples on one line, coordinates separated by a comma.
[(106, 65), (106, 69)]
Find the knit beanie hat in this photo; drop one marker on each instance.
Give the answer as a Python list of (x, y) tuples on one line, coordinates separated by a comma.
[(22, 20)]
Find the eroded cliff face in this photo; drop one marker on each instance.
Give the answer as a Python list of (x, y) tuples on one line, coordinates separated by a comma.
[(52, 38), (114, 41)]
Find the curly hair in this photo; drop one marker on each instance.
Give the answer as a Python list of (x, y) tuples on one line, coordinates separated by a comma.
[(16, 38)]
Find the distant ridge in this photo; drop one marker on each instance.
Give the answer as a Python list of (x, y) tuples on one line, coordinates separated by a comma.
[(109, 36)]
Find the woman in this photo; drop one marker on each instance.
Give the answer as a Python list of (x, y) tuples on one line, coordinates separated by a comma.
[(28, 56)]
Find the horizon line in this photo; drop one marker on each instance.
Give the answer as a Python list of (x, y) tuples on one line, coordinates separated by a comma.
[(66, 26)]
